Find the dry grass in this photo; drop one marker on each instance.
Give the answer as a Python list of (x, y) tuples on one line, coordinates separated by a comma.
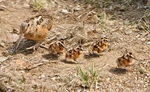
[(42, 72)]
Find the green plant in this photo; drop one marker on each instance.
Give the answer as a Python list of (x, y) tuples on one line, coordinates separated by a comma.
[(88, 77), (127, 2), (142, 70), (37, 5), (21, 80), (104, 18), (88, 1), (48, 1)]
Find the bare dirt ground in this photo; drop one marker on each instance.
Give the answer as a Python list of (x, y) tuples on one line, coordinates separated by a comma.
[(126, 26)]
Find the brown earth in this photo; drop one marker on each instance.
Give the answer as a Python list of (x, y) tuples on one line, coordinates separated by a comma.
[(126, 27)]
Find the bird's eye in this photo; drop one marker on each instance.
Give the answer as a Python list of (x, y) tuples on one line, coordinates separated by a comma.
[(61, 41), (130, 53), (28, 25)]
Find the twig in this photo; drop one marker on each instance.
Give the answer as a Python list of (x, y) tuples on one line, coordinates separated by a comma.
[(34, 66), (49, 40)]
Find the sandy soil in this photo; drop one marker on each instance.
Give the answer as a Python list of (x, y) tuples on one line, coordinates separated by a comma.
[(126, 27)]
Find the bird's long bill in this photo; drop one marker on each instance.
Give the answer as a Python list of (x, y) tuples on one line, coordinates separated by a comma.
[(22, 30), (135, 58), (19, 40)]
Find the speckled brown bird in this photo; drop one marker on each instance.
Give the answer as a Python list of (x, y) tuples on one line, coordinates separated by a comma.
[(125, 60), (74, 53), (57, 47), (99, 45), (35, 28)]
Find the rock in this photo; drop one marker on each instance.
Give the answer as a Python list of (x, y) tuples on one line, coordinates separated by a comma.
[(2, 59), (77, 8), (110, 7), (2, 44), (128, 31), (25, 5), (148, 43), (42, 76), (64, 11), (137, 36), (142, 39), (14, 37)]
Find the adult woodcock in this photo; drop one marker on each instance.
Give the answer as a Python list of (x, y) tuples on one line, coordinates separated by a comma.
[(35, 28)]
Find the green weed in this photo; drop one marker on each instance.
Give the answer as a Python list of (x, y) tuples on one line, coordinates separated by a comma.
[(37, 5), (88, 77)]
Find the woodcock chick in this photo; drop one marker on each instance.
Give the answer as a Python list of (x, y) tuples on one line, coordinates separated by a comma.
[(56, 47), (74, 53), (99, 45), (36, 29), (125, 60)]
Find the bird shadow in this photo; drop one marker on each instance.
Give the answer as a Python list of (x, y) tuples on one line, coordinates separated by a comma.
[(118, 70), (93, 55), (22, 48), (51, 56), (69, 62)]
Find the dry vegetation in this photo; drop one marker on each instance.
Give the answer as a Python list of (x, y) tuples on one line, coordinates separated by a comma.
[(126, 23)]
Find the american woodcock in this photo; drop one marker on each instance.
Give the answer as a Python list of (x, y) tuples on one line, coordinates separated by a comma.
[(74, 53), (125, 60), (35, 28), (56, 47), (99, 45)]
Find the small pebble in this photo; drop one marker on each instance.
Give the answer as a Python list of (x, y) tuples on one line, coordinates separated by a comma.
[(64, 11), (128, 31), (148, 43), (3, 59)]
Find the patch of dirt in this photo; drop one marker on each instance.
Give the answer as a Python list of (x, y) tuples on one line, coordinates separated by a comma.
[(126, 27)]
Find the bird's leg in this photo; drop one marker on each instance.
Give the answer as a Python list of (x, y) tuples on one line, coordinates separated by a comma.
[(42, 46), (19, 40), (34, 46), (75, 60)]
